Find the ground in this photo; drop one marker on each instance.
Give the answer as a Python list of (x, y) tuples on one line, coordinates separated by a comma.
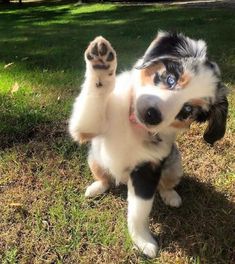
[(44, 217)]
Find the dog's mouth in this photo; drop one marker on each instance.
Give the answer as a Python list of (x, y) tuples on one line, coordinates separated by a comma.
[(144, 113), (134, 119), (139, 126)]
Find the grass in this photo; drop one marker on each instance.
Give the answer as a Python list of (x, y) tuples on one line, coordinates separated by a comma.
[(44, 217)]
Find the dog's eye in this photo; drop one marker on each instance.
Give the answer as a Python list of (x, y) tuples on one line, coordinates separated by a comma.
[(188, 108), (185, 112), (171, 81)]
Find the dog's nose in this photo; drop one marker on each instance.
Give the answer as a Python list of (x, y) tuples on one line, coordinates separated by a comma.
[(152, 116), (147, 110)]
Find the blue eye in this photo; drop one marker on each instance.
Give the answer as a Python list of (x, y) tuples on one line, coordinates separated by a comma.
[(171, 81), (188, 108)]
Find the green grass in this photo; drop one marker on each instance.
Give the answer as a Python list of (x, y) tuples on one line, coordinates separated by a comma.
[(44, 217)]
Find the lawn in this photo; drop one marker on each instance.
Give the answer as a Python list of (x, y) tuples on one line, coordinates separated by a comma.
[(44, 217)]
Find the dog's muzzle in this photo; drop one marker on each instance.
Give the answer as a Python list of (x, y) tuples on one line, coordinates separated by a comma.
[(147, 110)]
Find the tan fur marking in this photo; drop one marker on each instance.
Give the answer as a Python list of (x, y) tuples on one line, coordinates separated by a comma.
[(184, 79), (181, 124), (198, 102), (99, 173), (169, 182), (147, 74), (85, 137)]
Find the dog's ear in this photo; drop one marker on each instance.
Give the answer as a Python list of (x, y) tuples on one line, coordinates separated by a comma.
[(217, 117)]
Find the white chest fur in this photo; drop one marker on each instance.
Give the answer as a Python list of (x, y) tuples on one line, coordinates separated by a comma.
[(124, 145)]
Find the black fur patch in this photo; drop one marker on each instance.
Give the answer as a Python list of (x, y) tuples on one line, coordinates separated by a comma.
[(194, 112), (217, 117), (173, 67), (157, 79), (202, 115), (145, 178), (167, 45), (174, 47), (185, 112)]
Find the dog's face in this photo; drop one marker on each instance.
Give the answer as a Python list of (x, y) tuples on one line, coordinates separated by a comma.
[(177, 85)]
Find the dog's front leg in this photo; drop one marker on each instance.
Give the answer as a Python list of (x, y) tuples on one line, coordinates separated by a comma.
[(141, 190), (89, 112)]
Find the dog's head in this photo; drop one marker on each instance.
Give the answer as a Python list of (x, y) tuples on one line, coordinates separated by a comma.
[(176, 84)]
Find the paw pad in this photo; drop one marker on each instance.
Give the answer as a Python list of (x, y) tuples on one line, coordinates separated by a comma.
[(101, 54)]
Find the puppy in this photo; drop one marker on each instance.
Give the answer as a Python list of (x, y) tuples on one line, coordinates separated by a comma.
[(132, 120)]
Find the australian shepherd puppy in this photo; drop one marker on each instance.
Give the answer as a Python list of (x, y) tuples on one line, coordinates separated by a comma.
[(132, 120)]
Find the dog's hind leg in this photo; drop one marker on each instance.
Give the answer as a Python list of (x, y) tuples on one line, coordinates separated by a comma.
[(171, 175), (102, 182), (89, 111)]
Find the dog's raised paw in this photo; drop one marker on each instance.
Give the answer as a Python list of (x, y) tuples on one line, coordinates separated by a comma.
[(101, 56)]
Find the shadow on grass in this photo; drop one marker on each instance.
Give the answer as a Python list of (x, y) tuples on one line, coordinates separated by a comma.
[(203, 226), (40, 129)]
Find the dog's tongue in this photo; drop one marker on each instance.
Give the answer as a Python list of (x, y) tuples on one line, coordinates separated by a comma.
[(132, 118), (134, 121)]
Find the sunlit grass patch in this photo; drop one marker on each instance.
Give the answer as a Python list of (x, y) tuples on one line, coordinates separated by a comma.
[(10, 256)]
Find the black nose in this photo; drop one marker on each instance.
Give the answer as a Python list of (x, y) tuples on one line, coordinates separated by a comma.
[(152, 116), (147, 109)]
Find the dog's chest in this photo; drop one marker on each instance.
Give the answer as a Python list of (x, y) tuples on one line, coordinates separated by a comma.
[(124, 147)]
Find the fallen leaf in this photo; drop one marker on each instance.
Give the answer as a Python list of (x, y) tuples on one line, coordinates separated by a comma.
[(15, 88), (24, 59), (16, 204), (8, 65)]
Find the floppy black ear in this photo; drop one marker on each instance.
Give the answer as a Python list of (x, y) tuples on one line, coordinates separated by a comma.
[(217, 118)]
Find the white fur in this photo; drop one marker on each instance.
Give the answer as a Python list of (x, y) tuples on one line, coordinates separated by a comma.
[(138, 224), (96, 188), (170, 197), (91, 100)]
